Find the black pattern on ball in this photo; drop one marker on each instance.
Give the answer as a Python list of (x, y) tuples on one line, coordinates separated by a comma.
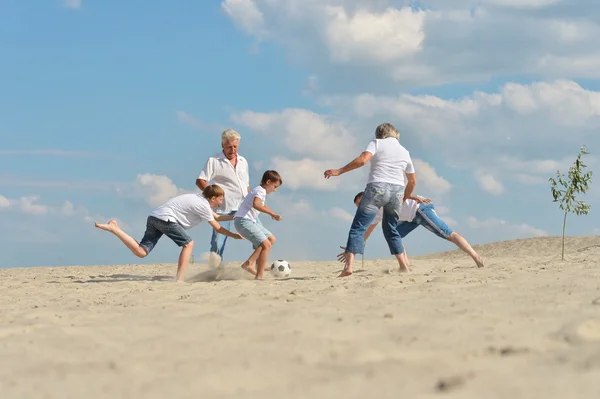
[(281, 268), (273, 266)]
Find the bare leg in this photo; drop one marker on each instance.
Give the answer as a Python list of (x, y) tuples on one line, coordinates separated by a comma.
[(402, 262), (249, 264), (405, 255), (462, 243), (184, 257), (129, 241), (348, 265), (262, 258)]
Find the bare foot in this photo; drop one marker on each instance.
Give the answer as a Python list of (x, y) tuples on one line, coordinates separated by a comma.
[(345, 273), (403, 269), (259, 278), (248, 267), (111, 226), (481, 262)]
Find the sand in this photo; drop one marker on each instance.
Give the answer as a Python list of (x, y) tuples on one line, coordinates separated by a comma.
[(526, 326)]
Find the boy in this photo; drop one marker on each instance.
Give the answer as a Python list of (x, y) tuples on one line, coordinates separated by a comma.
[(173, 219), (249, 226), (418, 211)]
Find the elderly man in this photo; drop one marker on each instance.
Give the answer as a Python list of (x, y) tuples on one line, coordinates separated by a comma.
[(229, 170)]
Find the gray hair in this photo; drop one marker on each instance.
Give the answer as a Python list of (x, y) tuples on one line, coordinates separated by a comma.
[(386, 130), (229, 135)]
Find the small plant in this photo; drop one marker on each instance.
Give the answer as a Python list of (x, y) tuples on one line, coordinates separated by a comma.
[(564, 189)]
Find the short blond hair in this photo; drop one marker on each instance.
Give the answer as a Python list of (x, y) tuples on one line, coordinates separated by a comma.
[(386, 130), (213, 191)]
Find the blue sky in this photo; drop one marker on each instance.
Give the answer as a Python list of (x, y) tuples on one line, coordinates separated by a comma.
[(109, 108)]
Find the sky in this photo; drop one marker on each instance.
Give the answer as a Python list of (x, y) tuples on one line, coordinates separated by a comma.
[(110, 108)]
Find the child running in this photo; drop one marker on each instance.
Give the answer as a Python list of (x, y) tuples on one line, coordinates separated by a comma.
[(172, 219), (248, 224)]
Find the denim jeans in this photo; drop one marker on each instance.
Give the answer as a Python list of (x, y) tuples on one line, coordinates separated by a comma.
[(217, 241), (428, 218), (377, 195)]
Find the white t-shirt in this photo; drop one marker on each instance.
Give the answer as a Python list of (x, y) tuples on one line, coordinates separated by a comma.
[(247, 209), (234, 181), (407, 212), (188, 210), (389, 162)]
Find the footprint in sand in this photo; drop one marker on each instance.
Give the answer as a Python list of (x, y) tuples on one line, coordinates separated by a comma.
[(587, 331)]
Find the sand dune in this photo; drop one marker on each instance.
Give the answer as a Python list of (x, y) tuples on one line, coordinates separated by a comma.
[(526, 326)]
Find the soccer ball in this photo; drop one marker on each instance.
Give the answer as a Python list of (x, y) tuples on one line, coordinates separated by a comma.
[(281, 268)]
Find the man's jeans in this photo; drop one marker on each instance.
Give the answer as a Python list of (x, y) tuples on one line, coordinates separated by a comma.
[(217, 241), (377, 195)]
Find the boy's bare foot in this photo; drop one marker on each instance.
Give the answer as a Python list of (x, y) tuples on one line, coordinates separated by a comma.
[(248, 267), (110, 226), (403, 269), (481, 262), (345, 273), (259, 278)]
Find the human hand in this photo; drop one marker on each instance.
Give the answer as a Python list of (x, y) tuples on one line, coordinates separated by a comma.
[(341, 257), (331, 172), (276, 217)]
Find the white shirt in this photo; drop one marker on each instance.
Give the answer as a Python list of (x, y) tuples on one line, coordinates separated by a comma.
[(188, 210), (407, 212), (389, 162), (247, 210), (234, 181)]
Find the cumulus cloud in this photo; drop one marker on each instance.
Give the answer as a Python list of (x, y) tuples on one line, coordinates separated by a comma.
[(155, 190), (426, 174), (488, 183), (442, 42), (302, 132), (341, 214), (4, 202), (305, 173)]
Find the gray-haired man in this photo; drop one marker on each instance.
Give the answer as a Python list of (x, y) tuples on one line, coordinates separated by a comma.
[(229, 170)]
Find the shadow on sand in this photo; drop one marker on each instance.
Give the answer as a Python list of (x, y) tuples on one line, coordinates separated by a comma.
[(115, 278)]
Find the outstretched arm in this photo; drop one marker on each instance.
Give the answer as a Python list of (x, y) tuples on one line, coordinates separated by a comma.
[(356, 163), (201, 184), (222, 230)]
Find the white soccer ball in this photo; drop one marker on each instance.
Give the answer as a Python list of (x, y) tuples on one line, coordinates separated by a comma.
[(281, 268)]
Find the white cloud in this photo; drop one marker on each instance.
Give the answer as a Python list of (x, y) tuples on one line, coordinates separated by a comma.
[(388, 36), (433, 183), (489, 183), (444, 42), (342, 214), (27, 205), (4, 202), (522, 230), (189, 120), (56, 153), (73, 4), (305, 173), (153, 189), (302, 132), (245, 15), (521, 3)]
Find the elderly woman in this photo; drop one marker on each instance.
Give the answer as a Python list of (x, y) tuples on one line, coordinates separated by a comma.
[(386, 187)]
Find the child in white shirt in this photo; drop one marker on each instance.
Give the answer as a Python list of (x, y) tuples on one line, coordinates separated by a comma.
[(173, 219), (248, 224)]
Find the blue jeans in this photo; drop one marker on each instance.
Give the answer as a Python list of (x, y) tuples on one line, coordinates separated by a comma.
[(217, 241), (428, 218), (377, 195)]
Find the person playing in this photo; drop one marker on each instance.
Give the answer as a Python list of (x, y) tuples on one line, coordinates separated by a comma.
[(229, 170), (390, 161), (418, 211), (248, 224), (172, 219)]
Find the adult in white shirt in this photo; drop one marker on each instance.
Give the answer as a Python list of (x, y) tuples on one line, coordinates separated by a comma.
[(229, 170), (386, 188), (418, 211)]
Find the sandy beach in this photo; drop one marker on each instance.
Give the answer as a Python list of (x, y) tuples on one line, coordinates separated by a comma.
[(525, 326)]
